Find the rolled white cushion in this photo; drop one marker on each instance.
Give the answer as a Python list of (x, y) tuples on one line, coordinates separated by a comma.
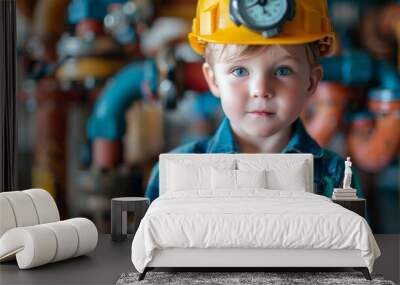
[(33, 245), (67, 239), (87, 234), (45, 205), (23, 208), (7, 218)]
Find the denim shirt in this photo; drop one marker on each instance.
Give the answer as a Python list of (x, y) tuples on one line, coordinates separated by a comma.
[(328, 165)]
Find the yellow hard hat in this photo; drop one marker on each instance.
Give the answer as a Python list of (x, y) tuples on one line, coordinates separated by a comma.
[(261, 22)]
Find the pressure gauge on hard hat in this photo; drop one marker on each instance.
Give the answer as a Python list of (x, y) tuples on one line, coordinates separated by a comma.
[(264, 16)]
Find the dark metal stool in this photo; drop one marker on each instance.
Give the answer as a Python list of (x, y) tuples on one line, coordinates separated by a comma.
[(119, 221)]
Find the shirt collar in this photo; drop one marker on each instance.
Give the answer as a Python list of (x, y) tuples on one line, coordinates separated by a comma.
[(300, 142), (223, 141)]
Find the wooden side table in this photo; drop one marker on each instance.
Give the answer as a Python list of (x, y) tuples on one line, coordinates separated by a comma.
[(119, 218), (357, 205)]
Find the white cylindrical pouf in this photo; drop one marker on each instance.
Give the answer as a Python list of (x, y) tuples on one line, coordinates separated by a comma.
[(67, 239), (45, 205), (23, 208), (34, 245), (87, 234), (7, 218)]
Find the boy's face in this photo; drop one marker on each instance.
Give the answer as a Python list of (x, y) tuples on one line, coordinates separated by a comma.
[(264, 92)]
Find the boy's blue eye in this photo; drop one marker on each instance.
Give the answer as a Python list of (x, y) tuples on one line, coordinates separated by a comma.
[(240, 72), (283, 71)]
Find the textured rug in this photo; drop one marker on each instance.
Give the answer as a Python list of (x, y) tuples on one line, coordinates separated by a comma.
[(230, 278)]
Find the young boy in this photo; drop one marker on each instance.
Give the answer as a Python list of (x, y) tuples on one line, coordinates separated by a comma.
[(261, 60)]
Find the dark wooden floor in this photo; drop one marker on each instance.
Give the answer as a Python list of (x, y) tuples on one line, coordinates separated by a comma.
[(389, 262), (106, 264)]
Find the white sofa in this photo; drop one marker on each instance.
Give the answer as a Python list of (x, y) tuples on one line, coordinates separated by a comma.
[(188, 179)]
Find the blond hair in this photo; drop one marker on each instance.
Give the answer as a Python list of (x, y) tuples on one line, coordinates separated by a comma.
[(223, 51)]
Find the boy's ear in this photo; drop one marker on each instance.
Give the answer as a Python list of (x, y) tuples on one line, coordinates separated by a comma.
[(316, 75), (209, 75)]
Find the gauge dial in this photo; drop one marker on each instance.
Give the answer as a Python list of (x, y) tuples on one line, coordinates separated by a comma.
[(264, 16), (263, 13)]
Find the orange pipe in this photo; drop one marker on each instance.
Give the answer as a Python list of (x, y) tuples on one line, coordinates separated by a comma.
[(50, 17), (193, 77), (89, 25), (49, 22), (26, 8), (106, 153), (389, 25), (184, 9), (49, 169), (378, 31), (81, 68), (372, 148), (330, 101)]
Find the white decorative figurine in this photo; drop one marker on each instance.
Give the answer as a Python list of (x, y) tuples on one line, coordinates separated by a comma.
[(347, 174), (345, 193)]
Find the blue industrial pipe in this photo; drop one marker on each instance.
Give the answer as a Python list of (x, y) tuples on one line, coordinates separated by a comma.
[(388, 75), (357, 68), (107, 120), (79, 10), (350, 68)]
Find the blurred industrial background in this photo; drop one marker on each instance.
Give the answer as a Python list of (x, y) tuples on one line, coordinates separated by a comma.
[(105, 86)]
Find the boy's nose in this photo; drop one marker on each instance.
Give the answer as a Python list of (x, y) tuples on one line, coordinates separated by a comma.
[(261, 88)]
